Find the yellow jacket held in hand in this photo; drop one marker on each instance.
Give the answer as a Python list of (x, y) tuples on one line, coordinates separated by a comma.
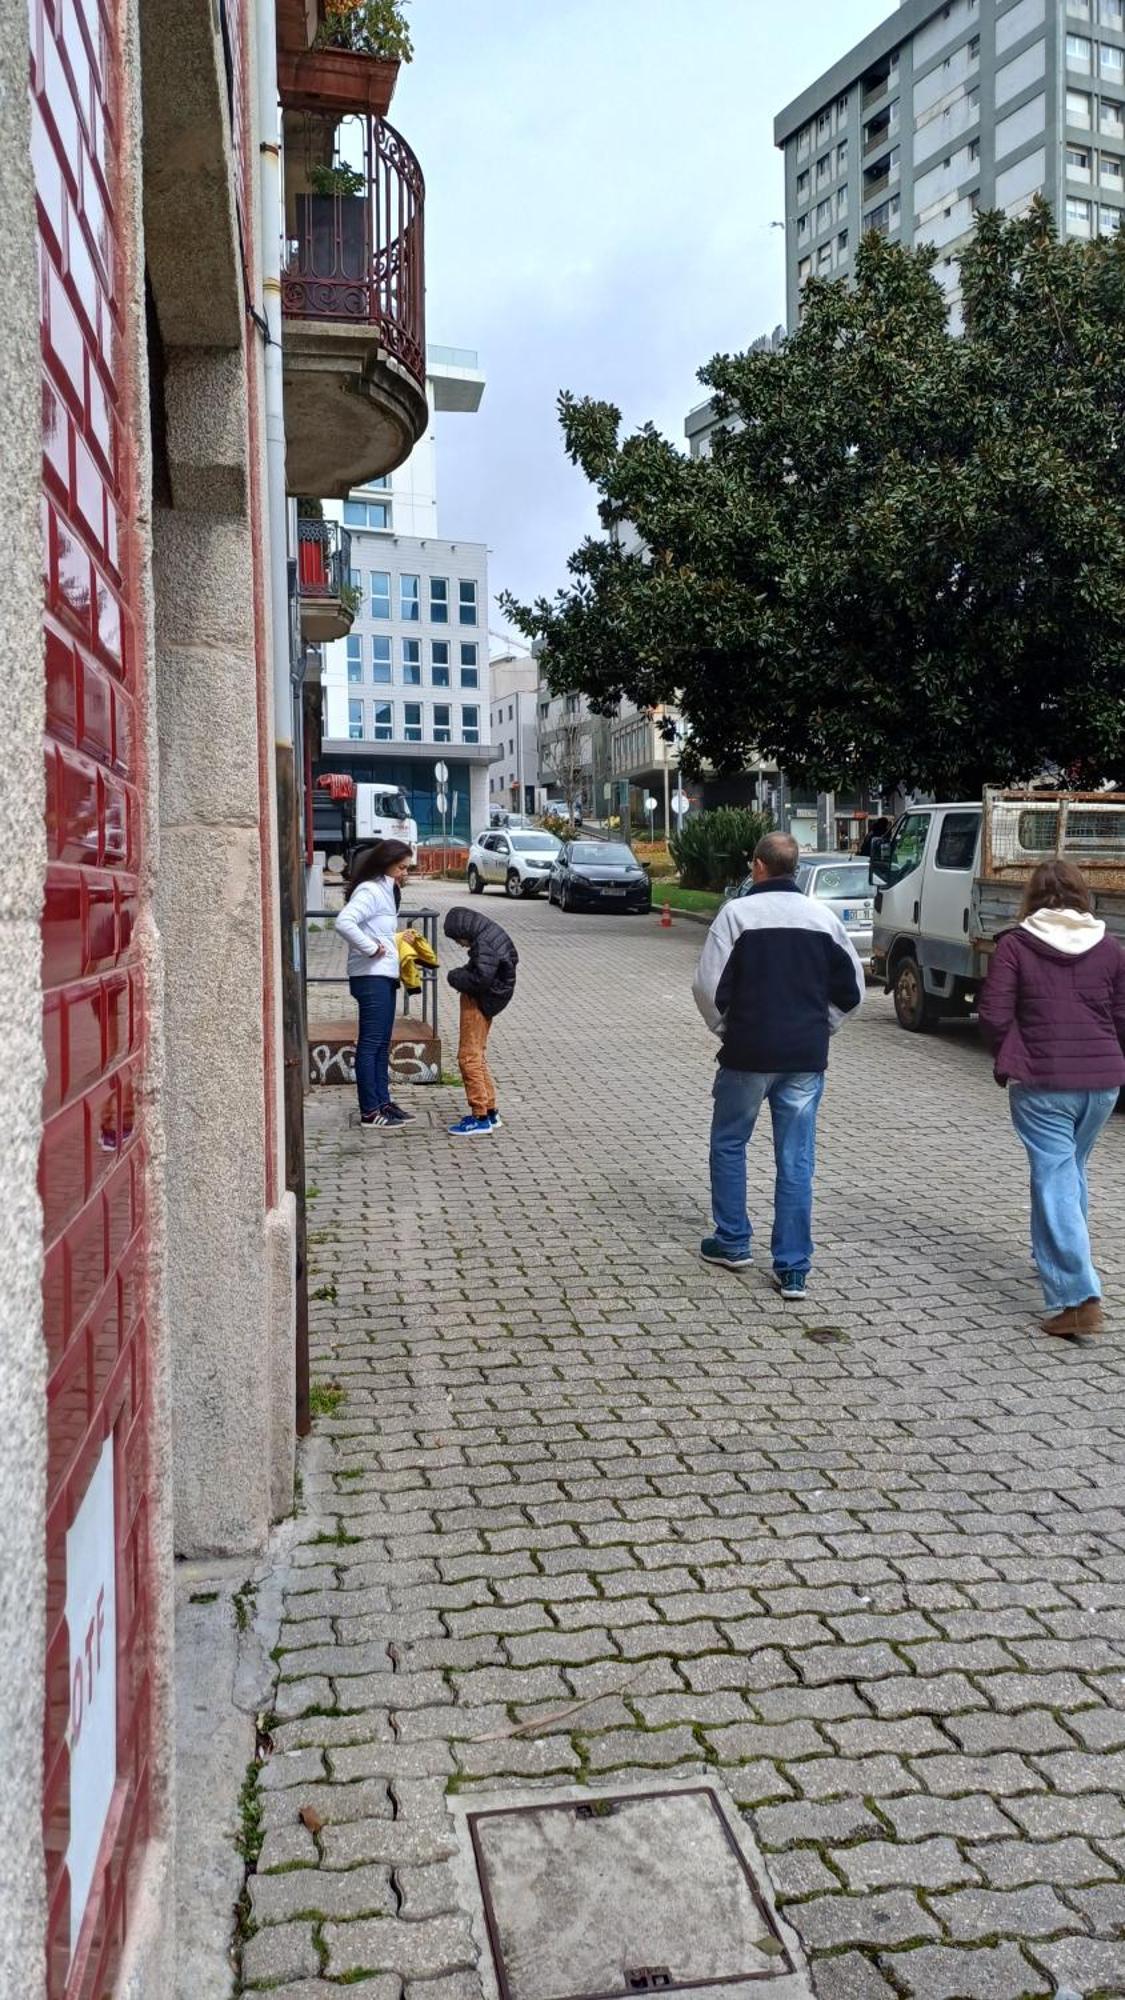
[(413, 954)]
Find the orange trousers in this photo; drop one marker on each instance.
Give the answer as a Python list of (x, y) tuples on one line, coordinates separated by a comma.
[(472, 1059)]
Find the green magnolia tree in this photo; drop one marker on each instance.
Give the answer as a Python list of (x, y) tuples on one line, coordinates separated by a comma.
[(905, 558)]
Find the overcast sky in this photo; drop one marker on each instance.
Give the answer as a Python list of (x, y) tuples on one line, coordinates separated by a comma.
[(601, 180)]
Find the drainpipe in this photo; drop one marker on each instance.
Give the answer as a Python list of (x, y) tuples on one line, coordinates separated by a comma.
[(291, 884)]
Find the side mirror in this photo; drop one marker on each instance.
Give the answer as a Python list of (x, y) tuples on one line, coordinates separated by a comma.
[(881, 859)]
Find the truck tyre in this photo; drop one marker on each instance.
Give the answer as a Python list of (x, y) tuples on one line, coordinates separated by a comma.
[(916, 1010), (476, 886)]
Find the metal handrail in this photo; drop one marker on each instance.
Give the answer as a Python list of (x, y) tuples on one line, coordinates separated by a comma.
[(425, 921)]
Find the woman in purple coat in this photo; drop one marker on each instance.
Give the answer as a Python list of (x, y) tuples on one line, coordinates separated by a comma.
[(1053, 1012)]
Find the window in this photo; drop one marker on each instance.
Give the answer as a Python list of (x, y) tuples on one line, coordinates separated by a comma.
[(439, 662), (355, 721), (823, 259), (1112, 174), (824, 169), (842, 243), (443, 728), (467, 601), (1078, 163), (957, 841), (367, 514), (1078, 107), (469, 676), (1077, 216), (409, 607), (841, 108), (803, 185), (841, 201), (1079, 53), (974, 49), (412, 662), (1080, 8), (412, 722), (1110, 221), (802, 230), (804, 141), (1111, 13), (804, 269), (380, 581), (470, 724), (974, 151), (1113, 118), (355, 658), (842, 157), (823, 123), (381, 661), (823, 214), (384, 729), (439, 600), (1113, 62), (907, 847)]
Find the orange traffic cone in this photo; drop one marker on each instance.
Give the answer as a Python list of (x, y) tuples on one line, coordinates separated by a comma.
[(666, 917)]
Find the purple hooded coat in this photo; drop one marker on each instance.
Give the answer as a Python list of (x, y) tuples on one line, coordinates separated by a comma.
[(1055, 1019)]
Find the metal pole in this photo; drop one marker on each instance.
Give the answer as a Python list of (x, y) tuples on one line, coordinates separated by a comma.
[(667, 824)]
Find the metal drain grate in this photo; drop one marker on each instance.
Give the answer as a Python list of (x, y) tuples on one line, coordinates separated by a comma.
[(644, 1892)]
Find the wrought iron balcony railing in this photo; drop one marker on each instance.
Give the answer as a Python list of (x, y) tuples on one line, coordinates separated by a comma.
[(354, 222), (324, 560)]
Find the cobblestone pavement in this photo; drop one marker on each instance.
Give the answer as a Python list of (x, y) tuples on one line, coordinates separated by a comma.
[(878, 1583)]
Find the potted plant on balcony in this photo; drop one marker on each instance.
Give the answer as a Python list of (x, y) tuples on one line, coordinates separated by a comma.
[(354, 62), (332, 224)]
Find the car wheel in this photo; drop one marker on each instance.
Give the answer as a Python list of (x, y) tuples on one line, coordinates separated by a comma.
[(915, 1008), (476, 886), (513, 885), (564, 897)]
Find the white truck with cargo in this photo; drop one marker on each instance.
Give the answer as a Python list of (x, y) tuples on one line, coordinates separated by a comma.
[(949, 880), (349, 817)]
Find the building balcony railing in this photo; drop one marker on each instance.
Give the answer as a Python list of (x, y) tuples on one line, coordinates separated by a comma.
[(324, 589), (355, 236), (877, 87)]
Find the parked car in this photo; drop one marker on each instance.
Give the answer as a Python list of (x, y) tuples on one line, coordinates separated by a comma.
[(499, 816), (599, 875), (516, 861), (558, 809), (843, 881)]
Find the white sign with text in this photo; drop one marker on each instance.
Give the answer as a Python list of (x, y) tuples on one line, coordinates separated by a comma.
[(91, 1617)]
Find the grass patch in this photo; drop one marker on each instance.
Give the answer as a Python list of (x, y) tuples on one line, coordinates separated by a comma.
[(705, 901), (326, 1292), (242, 1604), (204, 1597), (325, 1399), (311, 1192)]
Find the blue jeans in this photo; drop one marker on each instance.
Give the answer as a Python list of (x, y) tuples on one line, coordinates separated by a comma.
[(1059, 1128), (793, 1099), (375, 997)]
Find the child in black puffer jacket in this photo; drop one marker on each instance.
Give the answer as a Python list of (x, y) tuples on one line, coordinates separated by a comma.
[(486, 985)]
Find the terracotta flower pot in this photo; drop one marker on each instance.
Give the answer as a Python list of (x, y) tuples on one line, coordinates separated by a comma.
[(336, 80)]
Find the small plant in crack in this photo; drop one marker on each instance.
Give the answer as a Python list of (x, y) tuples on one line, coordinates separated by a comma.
[(325, 1399), (242, 1604), (327, 1292)]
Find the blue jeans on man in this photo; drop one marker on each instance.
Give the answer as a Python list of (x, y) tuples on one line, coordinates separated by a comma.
[(375, 997), (1058, 1129), (793, 1097)]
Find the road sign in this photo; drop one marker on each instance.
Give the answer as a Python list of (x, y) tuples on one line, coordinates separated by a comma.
[(441, 801), (441, 773), (680, 802), (650, 804)]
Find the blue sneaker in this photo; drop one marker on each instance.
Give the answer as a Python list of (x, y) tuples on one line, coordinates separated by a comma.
[(791, 1284), (712, 1252), (469, 1127)]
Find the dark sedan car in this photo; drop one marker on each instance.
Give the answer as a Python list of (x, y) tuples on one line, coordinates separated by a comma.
[(598, 875)]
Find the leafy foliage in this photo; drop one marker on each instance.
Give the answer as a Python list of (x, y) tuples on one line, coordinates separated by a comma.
[(905, 558), (714, 848), (367, 27)]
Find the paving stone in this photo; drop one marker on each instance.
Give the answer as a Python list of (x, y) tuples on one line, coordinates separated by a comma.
[(1008, 1864), (285, 1846), (847, 1976), (281, 1951), (923, 1864), (449, 1986), (997, 1972), (999, 1777), (1034, 1729), (799, 1872), (427, 1892), (1090, 1813), (1103, 1907), (911, 1735), (387, 1987), (962, 1819), (1018, 1913), (941, 1694), (824, 1824), (321, 1892), (353, 1842), (334, 1803), (896, 1917), (775, 1740), (416, 1951), (292, 1698), (1088, 1965)]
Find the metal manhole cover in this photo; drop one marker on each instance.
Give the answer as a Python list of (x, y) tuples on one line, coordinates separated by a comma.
[(632, 1893)]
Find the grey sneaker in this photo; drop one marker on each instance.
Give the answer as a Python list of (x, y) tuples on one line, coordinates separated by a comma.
[(713, 1252), (791, 1284)]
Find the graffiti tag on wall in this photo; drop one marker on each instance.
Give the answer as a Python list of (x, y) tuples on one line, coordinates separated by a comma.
[(411, 1062)]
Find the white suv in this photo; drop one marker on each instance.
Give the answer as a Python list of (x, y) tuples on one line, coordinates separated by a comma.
[(515, 861)]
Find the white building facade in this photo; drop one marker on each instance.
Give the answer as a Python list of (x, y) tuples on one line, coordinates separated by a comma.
[(513, 781), (410, 686)]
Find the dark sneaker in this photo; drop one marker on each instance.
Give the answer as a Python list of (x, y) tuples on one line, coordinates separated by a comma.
[(713, 1252), (791, 1284), (370, 1118), (404, 1117), (470, 1128), (495, 1120), (391, 1115)]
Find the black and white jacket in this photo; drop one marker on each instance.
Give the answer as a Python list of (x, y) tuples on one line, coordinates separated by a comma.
[(777, 975)]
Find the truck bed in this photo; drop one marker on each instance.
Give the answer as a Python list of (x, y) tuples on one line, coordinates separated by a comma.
[(995, 906)]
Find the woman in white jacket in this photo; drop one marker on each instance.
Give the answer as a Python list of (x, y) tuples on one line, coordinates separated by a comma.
[(369, 920)]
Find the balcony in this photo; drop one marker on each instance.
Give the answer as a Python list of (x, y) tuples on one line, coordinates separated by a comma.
[(353, 297), (325, 594)]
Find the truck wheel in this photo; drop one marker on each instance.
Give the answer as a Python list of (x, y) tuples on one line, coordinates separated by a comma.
[(915, 1008), (476, 886)]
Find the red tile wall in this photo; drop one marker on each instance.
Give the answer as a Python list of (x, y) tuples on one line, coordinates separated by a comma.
[(92, 1164)]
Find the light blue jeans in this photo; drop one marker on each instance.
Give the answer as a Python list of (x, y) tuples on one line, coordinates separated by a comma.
[(1059, 1128), (793, 1096)]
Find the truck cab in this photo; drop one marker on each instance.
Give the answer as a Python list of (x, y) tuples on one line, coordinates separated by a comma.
[(923, 946), (382, 812)]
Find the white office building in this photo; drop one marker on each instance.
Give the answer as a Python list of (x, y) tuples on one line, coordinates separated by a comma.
[(410, 686), (514, 778)]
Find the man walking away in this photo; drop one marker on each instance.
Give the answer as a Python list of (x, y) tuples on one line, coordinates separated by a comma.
[(777, 975)]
